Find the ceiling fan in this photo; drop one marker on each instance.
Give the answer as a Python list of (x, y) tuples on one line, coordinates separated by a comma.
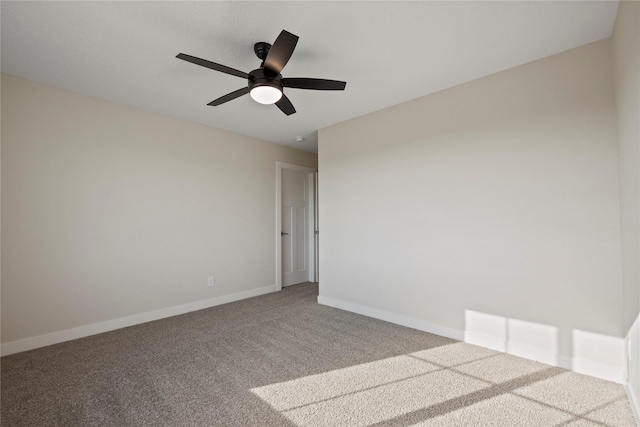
[(266, 84)]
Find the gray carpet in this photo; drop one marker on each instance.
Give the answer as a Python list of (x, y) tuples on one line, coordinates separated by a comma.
[(283, 360)]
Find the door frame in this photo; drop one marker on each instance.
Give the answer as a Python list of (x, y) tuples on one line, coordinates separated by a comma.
[(280, 166)]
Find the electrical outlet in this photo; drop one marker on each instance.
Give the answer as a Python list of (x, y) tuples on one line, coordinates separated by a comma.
[(211, 281)]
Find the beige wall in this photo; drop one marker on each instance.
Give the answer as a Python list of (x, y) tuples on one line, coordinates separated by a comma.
[(488, 211), (626, 67), (109, 211)]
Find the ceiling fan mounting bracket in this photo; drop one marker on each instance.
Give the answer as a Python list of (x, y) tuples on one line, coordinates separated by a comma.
[(261, 49)]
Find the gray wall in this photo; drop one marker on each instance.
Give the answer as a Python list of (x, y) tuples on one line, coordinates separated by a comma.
[(626, 66), (488, 210), (109, 211)]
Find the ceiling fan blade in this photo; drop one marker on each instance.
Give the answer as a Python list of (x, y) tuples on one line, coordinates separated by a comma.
[(280, 52), (285, 105), (212, 65), (229, 97), (315, 84)]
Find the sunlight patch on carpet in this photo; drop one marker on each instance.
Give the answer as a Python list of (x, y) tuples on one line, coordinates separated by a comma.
[(450, 385)]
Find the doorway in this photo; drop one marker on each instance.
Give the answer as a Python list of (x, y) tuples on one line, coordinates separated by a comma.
[(296, 225)]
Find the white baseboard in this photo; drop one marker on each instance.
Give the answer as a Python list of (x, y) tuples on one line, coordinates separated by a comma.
[(388, 316), (595, 369), (633, 401), (517, 349), (583, 366), (576, 364), (123, 322)]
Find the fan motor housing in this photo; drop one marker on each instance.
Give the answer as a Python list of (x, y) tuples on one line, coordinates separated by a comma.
[(259, 78)]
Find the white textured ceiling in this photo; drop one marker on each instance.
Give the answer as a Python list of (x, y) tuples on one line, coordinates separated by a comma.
[(388, 52)]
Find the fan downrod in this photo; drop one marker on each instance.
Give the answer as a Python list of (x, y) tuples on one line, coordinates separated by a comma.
[(261, 49)]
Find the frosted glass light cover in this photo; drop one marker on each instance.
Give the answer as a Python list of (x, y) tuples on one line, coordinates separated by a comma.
[(266, 94)]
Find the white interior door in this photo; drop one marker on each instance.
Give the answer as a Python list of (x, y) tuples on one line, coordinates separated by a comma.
[(295, 227), (316, 232)]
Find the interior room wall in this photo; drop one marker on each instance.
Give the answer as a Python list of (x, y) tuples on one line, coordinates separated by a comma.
[(109, 212), (486, 212), (626, 71)]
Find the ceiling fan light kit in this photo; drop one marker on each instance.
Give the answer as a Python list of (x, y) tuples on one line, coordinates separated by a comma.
[(265, 84), (265, 89), (266, 94)]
